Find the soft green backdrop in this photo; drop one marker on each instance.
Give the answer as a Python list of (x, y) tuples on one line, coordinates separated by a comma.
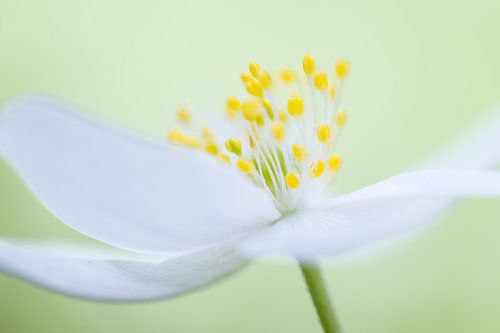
[(421, 72)]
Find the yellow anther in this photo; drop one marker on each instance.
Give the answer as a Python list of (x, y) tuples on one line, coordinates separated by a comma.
[(207, 134), (320, 80), (342, 69), (332, 91), (211, 148), (233, 103), (264, 79), (292, 179), (299, 152), (251, 142), (308, 64), (250, 109), (316, 168), (295, 106), (223, 158), (341, 118), (282, 116), (231, 113), (233, 145), (175, 136), (259, 120), (323, 132), (254, 88), (287, 75), (254, 68), (269, 109), (245, 77), (178, 137), (244, 165), (334, 162), (278, 131), (183, 115)]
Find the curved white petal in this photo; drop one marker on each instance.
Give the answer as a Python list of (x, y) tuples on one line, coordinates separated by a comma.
[(477, 147), (386, 208), (122, 189), (118, 280)]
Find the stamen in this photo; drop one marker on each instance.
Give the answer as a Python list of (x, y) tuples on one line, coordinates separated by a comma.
[(341, 118), (288, 134), (244, 165), (183, 115), (292, 179), (223, 158), (316, 168), (233, 145), (320, 81), (342, 69), (295, 106), (308, 64), (334, 162), (299, 152), (278, 130), (287, 76), (323, 132)]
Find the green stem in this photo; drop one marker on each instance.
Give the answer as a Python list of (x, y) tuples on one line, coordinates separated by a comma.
[(319, 296)]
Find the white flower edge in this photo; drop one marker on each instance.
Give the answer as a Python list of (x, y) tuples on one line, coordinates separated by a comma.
[(117, 280), (122, 189)]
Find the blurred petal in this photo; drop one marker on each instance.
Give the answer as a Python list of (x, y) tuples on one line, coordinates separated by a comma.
[(124, 190), (372, 213), (477, 147), (118, 280)]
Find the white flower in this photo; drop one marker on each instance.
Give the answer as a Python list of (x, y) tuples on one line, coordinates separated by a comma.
[(195, 220)]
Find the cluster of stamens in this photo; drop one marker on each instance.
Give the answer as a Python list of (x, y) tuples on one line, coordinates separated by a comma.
[(287, 129)]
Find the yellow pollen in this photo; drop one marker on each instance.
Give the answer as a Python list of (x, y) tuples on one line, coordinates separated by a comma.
[(259, 120), (332, 91), (323, 132), (251, 142), (299, 152), (287, 75), (341, 118), (269, 109), (250, 109), (244, 165), (295, 106), (278, 130), (183, 115), (292, 179), (316, 168), (178, 137), (282, 116), (254, 68), (207, 134), (233, 103), (223, 158), (211, 148), (320, 80), (245, 77), (342, 69), (264, 79), (308, 64), (233, 145), (334, 162), (254, 88)]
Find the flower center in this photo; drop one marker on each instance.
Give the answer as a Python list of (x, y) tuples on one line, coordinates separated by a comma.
[(286, 132)]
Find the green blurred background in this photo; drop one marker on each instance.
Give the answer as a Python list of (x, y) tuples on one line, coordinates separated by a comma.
[(421, 72)]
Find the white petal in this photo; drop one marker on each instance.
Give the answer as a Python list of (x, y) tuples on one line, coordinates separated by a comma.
[(477, 147), (122, 189), (118, 280), (387, 208)]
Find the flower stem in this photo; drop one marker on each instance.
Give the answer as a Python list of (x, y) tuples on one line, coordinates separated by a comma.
[(319, 295)]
